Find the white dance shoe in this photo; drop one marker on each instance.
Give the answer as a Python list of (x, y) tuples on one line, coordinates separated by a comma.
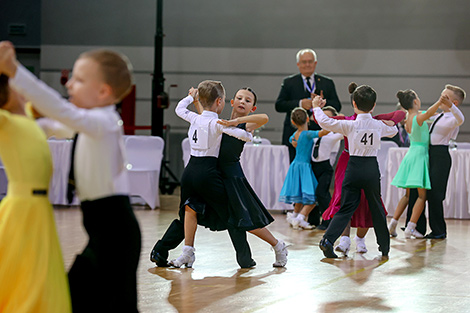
[(412, 232), (392, 228), (344, 245), (360, 244), (186, 258), (280, 249)]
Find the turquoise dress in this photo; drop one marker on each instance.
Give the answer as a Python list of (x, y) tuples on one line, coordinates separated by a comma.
[(300, 183), (414, 168)]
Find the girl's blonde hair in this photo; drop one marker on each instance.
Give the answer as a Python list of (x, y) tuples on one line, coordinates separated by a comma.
[(116, 69)]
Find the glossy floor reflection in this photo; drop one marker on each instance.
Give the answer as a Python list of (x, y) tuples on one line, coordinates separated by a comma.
[(420, 276)]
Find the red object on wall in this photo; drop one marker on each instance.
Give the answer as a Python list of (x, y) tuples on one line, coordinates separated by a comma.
[(128, 112)]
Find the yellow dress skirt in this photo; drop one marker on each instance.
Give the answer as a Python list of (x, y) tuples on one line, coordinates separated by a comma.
[(32, 273)]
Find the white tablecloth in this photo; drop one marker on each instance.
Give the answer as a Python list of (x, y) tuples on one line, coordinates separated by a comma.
[(457, 202), (60, 150), (265, 167)]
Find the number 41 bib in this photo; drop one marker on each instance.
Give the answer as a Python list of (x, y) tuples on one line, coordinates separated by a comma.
[(367, 139)]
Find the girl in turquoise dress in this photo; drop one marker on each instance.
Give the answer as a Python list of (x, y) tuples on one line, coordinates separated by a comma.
[(300, 182), (414, 168)]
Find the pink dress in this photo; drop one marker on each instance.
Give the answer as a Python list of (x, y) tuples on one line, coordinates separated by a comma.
[(361, 217)]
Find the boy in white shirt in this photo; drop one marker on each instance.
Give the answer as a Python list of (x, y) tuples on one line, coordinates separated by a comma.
[(103, 276), (362, 172)]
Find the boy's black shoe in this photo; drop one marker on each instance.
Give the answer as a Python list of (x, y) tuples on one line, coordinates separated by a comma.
[(434, 236), (327, 247), (158, 259)]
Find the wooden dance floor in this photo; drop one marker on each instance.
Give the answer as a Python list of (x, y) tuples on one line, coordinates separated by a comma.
[(420, 276)]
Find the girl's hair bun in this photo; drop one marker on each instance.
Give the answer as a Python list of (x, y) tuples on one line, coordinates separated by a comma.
[(352, 87)]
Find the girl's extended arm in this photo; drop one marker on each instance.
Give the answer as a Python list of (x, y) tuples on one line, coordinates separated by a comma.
[(253, 121), (420, 118), (395, 116)]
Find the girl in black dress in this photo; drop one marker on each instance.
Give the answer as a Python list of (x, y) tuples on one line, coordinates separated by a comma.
[(246, 211)]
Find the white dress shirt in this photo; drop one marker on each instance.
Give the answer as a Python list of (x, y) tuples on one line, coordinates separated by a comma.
[(312, 83), (363, 134), (204, 133), (55, 129), (100, 161), (326, 146), (447, 127)]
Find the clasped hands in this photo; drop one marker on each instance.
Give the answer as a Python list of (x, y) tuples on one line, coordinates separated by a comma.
[(307, 103)]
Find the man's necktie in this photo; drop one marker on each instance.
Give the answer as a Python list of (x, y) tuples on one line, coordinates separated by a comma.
[(309, 84), (71, 182), (435, 121), (316, 148)]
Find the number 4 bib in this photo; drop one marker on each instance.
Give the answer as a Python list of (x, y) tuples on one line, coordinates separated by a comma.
[(199, 138), (367, 139)]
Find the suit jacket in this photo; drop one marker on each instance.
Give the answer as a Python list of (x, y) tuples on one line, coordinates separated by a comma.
[(292, 90)]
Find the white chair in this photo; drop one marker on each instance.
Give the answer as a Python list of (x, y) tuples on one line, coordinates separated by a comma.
[(186, 147), (463, 145), (144, 156)]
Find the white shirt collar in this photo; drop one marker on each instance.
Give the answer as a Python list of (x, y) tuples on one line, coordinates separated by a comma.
[(210, 113)]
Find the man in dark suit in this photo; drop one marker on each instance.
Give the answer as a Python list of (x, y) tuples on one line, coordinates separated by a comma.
[(298, 90)]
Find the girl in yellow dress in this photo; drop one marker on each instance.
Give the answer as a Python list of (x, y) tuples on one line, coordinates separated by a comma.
[(32, 273)]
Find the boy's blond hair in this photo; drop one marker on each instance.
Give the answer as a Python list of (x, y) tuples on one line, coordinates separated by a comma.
[(458, 92), (116, 69), (209, 91)]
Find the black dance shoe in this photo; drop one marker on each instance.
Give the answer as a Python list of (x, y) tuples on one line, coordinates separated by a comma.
[(156, 258), (327, 247), (250, 264), (433, 236)]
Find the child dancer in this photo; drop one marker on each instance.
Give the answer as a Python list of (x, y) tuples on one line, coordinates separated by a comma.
[(414, 168), (100, 79), (362, 172), (361, 218), (201, 183), (27, 228), (246, 211), (300, 183)]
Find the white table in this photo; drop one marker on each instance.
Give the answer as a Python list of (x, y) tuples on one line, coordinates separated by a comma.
[(265, 168), (457, 202), (60, 151)]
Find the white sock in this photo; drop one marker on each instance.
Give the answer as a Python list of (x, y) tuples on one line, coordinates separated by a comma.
[(294, 214), (301, 217), (359, 238), (278, 246), (394, 221), (411, 225)]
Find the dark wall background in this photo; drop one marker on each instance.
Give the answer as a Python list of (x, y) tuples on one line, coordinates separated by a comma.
[(330, 24)]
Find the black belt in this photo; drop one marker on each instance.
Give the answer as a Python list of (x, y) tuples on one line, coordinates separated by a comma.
[(40, 192)]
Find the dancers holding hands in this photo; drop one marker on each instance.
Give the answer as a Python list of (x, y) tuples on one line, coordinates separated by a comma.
[(414, 169)]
